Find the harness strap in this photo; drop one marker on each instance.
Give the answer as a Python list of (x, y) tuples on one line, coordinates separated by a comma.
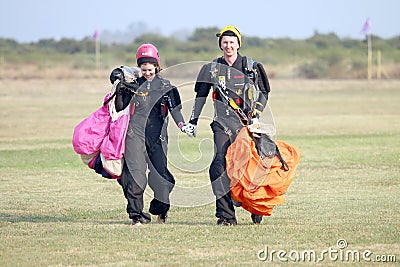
[(248, 62), (285, 166), (111, 97), (228, 101)]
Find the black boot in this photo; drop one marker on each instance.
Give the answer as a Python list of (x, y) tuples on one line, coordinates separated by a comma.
[(162, 218), (226, 222), (256, 218)]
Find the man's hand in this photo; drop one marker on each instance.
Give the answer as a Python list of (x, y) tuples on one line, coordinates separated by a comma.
[(255, 126)]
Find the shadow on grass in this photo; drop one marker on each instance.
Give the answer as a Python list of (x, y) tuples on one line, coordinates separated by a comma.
[(32, 218), (12, 218), (153, 222)]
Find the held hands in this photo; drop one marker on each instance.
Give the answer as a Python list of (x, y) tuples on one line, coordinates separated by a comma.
[(190, 129)]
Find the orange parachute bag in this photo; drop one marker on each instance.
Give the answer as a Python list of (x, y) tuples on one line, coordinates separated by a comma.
[(259, 182)]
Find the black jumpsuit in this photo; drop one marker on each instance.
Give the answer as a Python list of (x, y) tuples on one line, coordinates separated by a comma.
[(226, 123), (146, 144)]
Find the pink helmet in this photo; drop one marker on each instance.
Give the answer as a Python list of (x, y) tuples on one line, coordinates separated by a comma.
[(147, 53)]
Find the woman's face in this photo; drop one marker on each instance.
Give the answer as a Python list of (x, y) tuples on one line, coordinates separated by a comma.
[(148, 70)]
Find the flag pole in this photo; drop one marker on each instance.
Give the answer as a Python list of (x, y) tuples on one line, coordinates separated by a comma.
[(369, 56), (96, 39)]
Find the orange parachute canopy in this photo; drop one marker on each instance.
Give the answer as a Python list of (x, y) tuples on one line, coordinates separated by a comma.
[(259, 183)]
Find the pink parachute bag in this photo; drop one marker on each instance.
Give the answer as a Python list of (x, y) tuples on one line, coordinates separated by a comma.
[(100, 138)]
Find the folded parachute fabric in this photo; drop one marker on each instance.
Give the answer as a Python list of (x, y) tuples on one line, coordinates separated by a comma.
[(259, 183), (100, 139)]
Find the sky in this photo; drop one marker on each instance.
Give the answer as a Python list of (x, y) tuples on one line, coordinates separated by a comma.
[(32, 20)]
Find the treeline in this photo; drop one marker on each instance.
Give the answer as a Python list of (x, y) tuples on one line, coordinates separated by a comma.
[(320, 56)]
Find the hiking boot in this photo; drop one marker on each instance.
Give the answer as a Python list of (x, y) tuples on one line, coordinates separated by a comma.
[(140, 221), (225, 222), (162, 218), (256, 218)]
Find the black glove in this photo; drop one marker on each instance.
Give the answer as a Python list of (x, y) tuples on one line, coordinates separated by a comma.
[(117, 73), (121, 89), (131, 87)]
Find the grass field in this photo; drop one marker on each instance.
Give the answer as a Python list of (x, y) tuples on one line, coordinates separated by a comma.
[(54, 211)]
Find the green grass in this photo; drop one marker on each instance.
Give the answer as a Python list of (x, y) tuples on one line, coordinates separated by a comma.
[(54, 211)]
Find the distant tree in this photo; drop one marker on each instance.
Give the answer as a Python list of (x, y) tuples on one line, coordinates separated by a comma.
[(48, 43), (350, 43), (8, 44), (320, 56), (323, 41), (394, 42), (255, 41), (69, 46)]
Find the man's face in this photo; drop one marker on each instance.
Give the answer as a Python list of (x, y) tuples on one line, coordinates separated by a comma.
[(230, 45)]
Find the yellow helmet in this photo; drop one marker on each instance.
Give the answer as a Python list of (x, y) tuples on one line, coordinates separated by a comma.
[(229, 31)]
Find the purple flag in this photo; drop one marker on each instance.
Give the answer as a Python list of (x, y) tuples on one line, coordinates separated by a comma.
[(96, 35), (366, 27)]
